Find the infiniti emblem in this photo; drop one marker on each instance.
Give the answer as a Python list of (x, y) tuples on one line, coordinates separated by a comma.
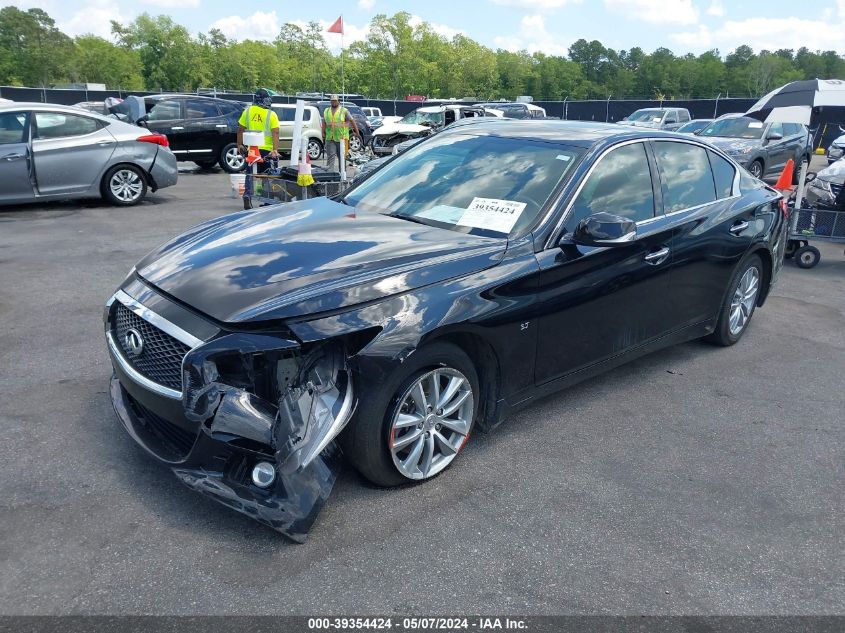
[(133, 341)]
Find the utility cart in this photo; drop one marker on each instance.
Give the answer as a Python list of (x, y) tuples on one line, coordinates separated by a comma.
[(279, 185), (808, 225)]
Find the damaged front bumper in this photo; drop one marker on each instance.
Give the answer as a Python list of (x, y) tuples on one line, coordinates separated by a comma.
[(247, 400)]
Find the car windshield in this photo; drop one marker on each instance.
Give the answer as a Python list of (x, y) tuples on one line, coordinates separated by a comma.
[(419, 118), (647, 115), (738, 127), (692, 126), (470, 183)]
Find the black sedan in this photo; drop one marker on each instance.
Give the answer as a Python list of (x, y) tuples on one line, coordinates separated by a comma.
[(482, 268)]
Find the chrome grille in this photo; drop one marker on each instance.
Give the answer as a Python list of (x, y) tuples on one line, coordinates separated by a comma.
[(161, 357)]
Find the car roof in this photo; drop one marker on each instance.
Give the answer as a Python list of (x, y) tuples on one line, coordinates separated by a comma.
[(582, 134), (48, 107)]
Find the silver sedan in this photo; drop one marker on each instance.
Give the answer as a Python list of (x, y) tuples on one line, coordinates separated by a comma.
[(50, 152)]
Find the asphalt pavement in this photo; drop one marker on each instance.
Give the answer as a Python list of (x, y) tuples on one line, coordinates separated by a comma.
[(697, 480)]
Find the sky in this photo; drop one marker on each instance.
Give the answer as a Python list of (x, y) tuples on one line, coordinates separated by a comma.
[(549, 26)]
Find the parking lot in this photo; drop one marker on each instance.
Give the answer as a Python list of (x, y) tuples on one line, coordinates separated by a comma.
[(698, 480)]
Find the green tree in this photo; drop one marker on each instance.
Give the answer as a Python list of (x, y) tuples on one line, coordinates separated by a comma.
[(170, 58), (35, 51), (96, 60)]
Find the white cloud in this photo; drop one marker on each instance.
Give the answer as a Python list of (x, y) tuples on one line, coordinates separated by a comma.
[(183, 4), (536, 5), (441, 29), (95, 18), (258, 26), (366, 5), (656, 11), (840, 6), (533, 37), (764, 33), (716, 8)]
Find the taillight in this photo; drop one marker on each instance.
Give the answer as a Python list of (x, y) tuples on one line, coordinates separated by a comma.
[(158, 139)]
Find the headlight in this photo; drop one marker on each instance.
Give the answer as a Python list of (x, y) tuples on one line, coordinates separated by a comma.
[(740, 151), (834, 151)]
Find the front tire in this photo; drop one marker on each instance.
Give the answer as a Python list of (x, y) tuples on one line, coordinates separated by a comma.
[(231, 159), (124, 185), (744, 292), (756, 169), (412, 427), (355, 144)]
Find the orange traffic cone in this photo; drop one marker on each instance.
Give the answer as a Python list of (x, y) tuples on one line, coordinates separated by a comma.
[(253, 156), (784, 183)]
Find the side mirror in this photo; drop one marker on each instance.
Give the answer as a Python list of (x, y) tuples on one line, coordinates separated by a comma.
[(774, 136), (698, 131), (604, 229)]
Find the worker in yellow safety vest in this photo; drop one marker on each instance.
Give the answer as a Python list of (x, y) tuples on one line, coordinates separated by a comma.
[(336, 122), (260, 117)]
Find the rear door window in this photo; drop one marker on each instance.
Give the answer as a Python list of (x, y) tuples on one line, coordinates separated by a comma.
[(687, 179), (60, 125), (619, 184), (166, 110), (13, 127), (723, 175), (201, 109)]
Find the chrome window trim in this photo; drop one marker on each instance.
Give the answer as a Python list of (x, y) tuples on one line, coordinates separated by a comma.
[(551, 239), (161, 323), (735, 194)]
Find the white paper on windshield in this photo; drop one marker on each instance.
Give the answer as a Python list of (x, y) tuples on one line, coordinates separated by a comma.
[(755, 125), (492, 214), (442, 213), (562, 157), (656, 119)]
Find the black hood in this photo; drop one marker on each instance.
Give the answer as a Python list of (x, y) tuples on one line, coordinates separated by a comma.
[(306, 257)]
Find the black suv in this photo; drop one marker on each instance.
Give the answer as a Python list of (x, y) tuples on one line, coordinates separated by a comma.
[(200, 129), (360, 119)]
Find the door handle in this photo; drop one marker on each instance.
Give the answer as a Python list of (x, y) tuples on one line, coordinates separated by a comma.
[(739, 227), (11, 157), (656, 258), (104, 143), (223, 125), (177, 127)]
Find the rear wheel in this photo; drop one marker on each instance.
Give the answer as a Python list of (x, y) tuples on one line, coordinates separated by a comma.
[(736, 314), (231, 159), (413, 427), (355, 144), (124, 185), (756, 169)]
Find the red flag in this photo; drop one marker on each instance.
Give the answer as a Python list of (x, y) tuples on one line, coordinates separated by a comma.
[(337, 27)]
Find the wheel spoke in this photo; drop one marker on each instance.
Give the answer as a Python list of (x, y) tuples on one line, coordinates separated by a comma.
[(456, 403), (448, 449), (458, 425), (407, 439), (455, 383), (418, 396), (434, 390), (411, 462), (428, 454), (407, 419)]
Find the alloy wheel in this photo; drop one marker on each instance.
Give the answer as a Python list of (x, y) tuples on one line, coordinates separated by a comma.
[(354, 143), (234, 159), (744, 300), (126, 185), (756, 169), (432, 423), (314, 149)]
